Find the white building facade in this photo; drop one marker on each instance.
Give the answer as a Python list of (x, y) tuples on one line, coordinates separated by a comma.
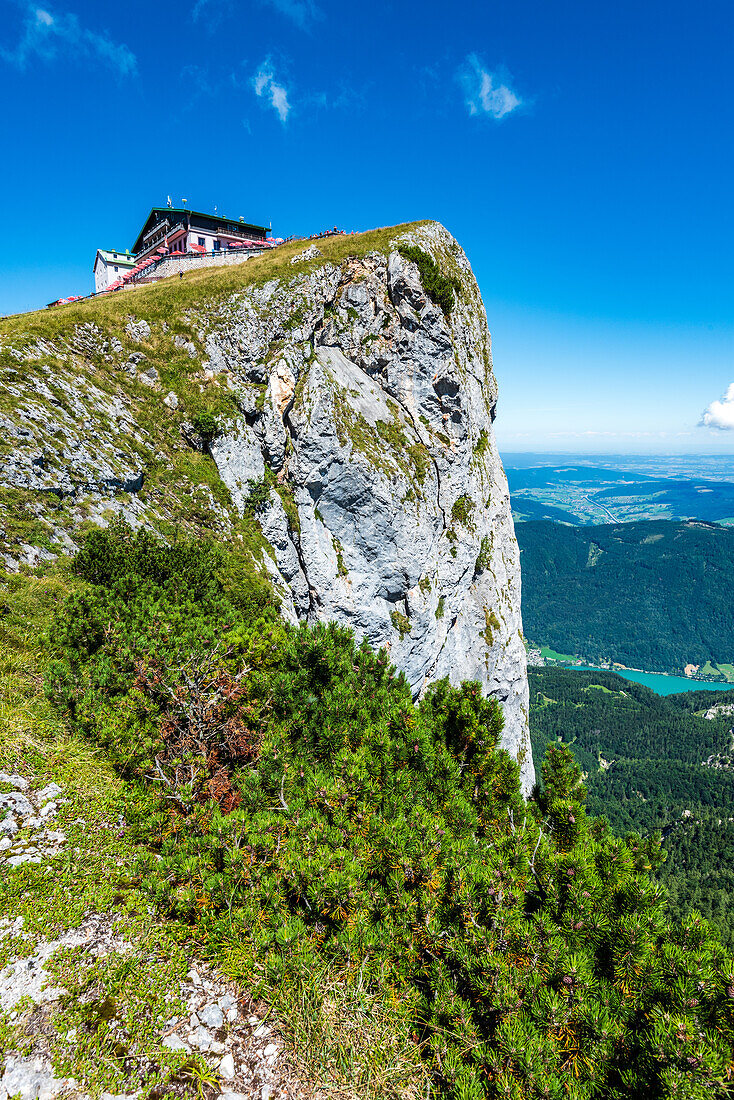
[(109, 266)]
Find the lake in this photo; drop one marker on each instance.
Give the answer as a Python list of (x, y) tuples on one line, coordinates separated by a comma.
[(659, 682)]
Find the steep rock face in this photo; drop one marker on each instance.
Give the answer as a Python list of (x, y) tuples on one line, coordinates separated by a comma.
[(391, 511), (337, 384)]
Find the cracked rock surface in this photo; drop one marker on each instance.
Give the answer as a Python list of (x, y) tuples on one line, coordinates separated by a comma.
[(375, 412)]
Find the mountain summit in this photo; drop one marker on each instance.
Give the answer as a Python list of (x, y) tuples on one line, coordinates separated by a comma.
[(330, 407)]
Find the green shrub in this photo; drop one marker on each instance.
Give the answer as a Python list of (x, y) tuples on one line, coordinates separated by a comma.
[(482, 443), (205, 423), (484, 557), (401, 623), (462, 509), (440, 288), (258, 492), (303, 805)]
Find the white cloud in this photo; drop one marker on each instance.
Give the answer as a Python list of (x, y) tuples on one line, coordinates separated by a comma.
[(265, 85), (484, 94), (302, 12), (720, 414), (47, 35)]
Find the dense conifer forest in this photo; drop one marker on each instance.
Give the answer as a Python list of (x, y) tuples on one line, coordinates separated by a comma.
[(654, 595), (652, 764)]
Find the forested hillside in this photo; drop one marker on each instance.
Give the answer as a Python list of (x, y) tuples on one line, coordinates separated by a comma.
[(652, 763), (654, 595)]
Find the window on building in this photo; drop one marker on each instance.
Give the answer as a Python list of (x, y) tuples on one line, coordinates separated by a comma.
[(217, 246), (202, 240), (115, 267)]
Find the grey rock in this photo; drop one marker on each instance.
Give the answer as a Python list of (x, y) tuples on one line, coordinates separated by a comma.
[(171, 400), (239, 460), (137, 330), (378, 412), (16, 803), (185, 345), (226, 1067), (212, 1016), (307, 254), (53, 790), (29, 1079), (190, 435), (149, 377), (201, 1039), (174, 1042), (17, 781)]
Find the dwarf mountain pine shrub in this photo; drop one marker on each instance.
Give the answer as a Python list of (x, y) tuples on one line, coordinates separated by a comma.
[(205, 423), (440, 288), (294, 798)]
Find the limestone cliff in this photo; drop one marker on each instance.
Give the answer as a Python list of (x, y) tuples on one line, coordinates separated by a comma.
[(343, 390)]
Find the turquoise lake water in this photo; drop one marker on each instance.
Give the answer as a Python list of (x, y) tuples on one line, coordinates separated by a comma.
[(661, 684)]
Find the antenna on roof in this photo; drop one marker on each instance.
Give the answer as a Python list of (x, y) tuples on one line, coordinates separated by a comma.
[(170, 204)]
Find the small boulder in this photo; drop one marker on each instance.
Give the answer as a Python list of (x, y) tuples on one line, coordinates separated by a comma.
[(137, 330), (226, 1067), (173, 1042), (308, 254), (149, 377), (201, 1039), (212, 1016)]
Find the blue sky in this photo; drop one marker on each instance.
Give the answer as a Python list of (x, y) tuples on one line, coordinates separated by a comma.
[(581, 153)]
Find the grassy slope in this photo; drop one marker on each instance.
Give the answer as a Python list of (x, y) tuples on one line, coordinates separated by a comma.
[(170, 298)]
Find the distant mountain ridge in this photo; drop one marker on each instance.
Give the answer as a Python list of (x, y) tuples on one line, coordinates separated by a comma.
[(654, 595)]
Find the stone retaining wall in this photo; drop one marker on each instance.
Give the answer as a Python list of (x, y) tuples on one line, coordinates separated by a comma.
[(173, 264)]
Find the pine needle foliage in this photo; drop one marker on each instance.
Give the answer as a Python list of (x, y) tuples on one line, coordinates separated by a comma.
[(440, 288), (295, 799)]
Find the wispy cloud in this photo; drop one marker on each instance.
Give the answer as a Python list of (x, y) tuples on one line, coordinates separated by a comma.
[(267, 87), (47, 34), (302, 12), (484, 94), (720, 414)]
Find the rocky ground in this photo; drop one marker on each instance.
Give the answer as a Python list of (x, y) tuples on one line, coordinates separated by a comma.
[(177, 1034)]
